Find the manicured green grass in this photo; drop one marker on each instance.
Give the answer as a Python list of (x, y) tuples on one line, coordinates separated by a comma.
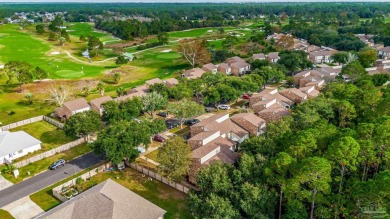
[(16, 45), (198, 32), (42, 165), (50, 135), (152, 155), (78, 29), (5, 214)]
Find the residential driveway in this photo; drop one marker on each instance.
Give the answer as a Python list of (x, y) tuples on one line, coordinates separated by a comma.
[(23, 208), (4, 183), (46, 179), (205, 116)]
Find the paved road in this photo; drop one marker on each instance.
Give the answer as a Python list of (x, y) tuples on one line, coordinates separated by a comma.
[(46, 179)]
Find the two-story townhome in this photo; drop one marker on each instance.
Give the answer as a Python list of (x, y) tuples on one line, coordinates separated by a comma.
[(273, 57), (384, 53), (319, 57), (72, 107), (193, 73), (294, 94), (214, 139), (96, 104), (250, 122), (224, 68), (170, 82), (210, 67)]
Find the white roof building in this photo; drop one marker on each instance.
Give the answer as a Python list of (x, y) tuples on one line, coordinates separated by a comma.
[(17, 144)]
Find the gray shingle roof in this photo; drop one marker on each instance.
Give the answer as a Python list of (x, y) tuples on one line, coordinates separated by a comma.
[(106, 200)]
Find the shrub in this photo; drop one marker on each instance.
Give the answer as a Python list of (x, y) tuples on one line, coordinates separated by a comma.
[(79, 180)]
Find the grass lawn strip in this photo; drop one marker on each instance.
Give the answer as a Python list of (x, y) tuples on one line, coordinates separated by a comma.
[(42, 165), (5, 214)]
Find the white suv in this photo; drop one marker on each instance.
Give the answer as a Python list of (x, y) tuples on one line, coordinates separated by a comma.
[(224, 107)]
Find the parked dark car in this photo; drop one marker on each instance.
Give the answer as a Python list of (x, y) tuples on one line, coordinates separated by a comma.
[(246, 97), (163, 114), (159, 138), (208, 109), (191, 122), (58, 163), (172, 123)]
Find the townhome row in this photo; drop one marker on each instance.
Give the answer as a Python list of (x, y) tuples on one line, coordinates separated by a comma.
[(232, 66), (317, 54), (81, 105), (217, 137)]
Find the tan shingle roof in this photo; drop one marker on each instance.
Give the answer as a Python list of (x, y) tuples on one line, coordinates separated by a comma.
[(106, 200), (153, 81), (172, 81), (250, 117), (99, 101), (77, 104)]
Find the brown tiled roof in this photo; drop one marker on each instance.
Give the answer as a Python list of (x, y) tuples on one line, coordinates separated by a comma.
[(249, 117), (273, 114), (295, 91), (323, 53), (194, 73), (99, 101), (106, 200), (154, 81), (209, 67), (205, 149), (273, 55), (60, 112), (172, 81), (258, 56), (385, 49), (203, 135), (77, 104)]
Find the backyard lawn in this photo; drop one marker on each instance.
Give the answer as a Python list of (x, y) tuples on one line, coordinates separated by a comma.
[(50, 135), (152, 155), (171, 200), (5, 214), (42, 165)]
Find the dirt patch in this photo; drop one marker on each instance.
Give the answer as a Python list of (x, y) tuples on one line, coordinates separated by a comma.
[(76, 87)]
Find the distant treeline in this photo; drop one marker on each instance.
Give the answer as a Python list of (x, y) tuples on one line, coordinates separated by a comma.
[(202, 10)]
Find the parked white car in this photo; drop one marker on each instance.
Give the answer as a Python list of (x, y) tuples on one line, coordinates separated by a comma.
[(224, 107)]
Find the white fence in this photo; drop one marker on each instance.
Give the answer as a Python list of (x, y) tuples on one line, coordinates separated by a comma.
[(49, 153), (58, 190), (32, 120)]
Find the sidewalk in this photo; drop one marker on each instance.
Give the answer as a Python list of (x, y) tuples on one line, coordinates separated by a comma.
[(4, 183)]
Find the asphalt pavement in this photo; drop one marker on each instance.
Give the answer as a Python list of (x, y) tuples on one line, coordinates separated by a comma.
[(47, 178)]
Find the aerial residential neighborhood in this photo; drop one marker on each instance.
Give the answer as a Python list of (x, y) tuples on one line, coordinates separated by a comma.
[(155, 110)]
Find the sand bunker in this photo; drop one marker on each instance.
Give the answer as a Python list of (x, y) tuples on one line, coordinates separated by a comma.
[(1, 66), (55, 53), (210, 31), (166, 50)]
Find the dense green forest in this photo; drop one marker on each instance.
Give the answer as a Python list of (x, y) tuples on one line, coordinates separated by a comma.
[(329, 159), (202, 10)]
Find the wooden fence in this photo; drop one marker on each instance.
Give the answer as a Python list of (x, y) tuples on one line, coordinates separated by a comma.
[(178, 186), (49, 153), (58, 190), (32, 120)]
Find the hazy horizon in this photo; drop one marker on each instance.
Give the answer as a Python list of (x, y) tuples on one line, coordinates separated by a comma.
[(180, 1)]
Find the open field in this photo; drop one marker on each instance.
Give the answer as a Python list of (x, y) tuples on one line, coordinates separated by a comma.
[(50, 135), (42, 165), (160, 194), (78, 29)]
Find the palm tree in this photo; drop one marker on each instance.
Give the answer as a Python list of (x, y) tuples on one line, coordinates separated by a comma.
[(100, 88), (117, 77)]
